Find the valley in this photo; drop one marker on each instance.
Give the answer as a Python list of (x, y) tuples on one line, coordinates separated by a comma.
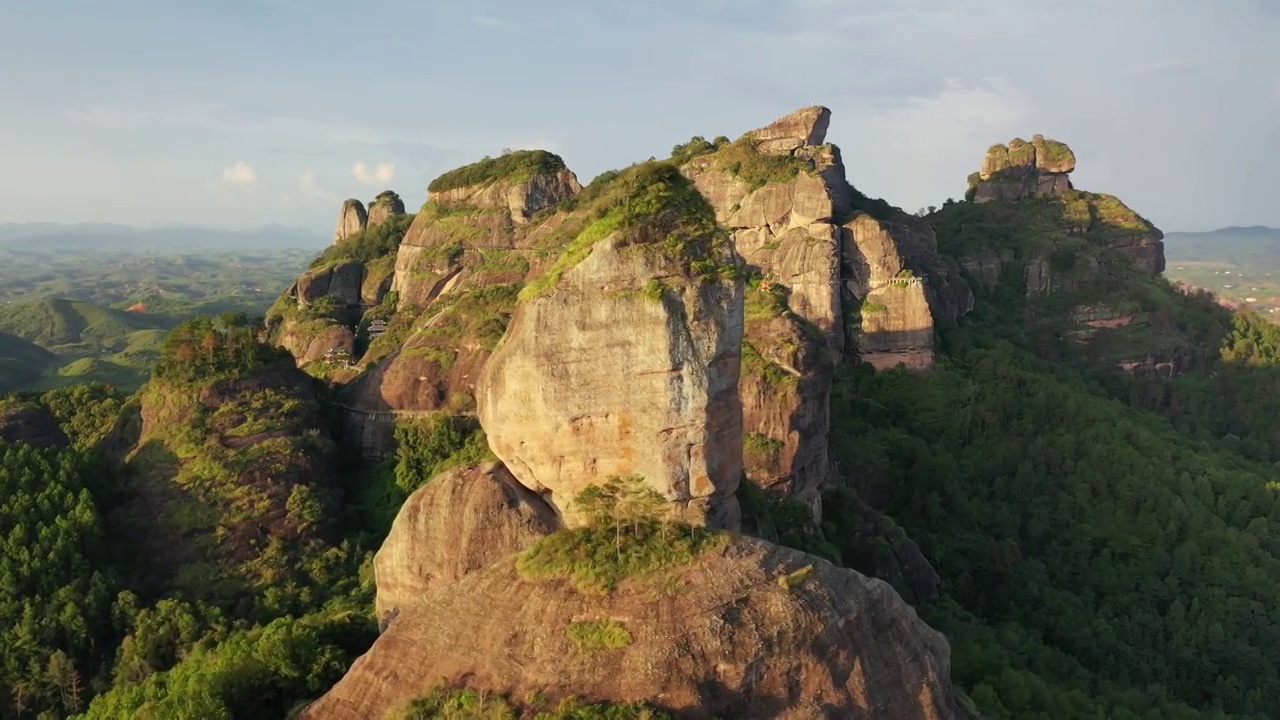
[(93, 304)]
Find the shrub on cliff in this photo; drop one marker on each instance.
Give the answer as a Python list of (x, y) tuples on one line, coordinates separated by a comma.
[(625, 537)]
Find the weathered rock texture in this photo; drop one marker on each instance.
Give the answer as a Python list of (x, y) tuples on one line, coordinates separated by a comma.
[(783, 193), (464, 520), (739, 642), (474, 218), (887, 264), (785, 386), (1023, 169), (597, 378), (520, 198), (384, 207), (351, 220), (31, 424), (344, 282), (310, 340)]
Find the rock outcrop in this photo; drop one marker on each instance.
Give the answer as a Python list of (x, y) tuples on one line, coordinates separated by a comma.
[(464, 520), (759, 632), (783, 194), (886, 266), (496, 204), (351, 220), (384, 207), (1024, 169), (344, 282), (628, 365), (31, 424)]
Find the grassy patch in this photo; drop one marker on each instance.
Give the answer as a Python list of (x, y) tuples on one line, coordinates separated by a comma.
[(381, 240), (757, 169), (514, 167), (594, 636), (624, 538), (769, 371), (654, 207), (760, 445)]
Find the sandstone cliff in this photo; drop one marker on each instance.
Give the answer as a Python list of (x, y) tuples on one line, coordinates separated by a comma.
[(629, 346), (899, 288), (385, 206), (757, 631), (351, 220), (462, 521), (477, 207), (797, 222)]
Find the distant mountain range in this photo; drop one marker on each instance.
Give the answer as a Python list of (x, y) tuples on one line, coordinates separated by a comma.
[(1243, 246), (177, 238)]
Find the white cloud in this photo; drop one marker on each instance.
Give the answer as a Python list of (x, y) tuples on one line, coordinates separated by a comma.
[(311, 188), (382, 174), (241, 174), (487, 21)]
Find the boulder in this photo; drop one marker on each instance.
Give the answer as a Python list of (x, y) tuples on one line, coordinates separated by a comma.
[(807, 126), (351, 220), (461, 521), (757, 632), (344, 282)]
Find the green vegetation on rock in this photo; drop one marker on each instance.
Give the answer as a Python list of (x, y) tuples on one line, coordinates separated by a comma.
[(595, 636), (513, 167), (652, 206), (757, 169), (380, 241), (624, 538)]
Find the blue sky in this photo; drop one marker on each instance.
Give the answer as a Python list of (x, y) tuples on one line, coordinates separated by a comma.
[(244, 112)]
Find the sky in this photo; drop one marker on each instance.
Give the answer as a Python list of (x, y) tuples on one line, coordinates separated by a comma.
[(236, 113)]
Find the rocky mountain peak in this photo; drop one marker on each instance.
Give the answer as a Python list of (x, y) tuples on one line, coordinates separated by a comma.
[(383, 207), (522, 182), (351, 220), (1023, 169), (806, 126)]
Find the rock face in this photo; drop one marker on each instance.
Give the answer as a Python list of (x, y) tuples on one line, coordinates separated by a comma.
[(31, 424), (464, 520), (807, 126), (744, 643), (344, 282), (886, 263), (484, 216), (1024, 169), (351, 220), (628, 366), (520, 198), (783, 194), (384, 207), (785, 387)]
